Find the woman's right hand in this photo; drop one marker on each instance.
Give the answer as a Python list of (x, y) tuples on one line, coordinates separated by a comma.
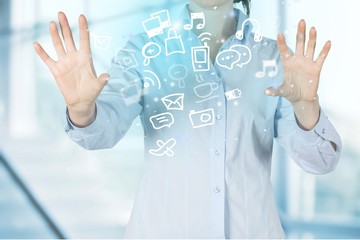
[(74, 71)]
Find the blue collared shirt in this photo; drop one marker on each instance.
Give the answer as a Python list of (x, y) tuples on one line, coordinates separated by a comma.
[(209, 132)]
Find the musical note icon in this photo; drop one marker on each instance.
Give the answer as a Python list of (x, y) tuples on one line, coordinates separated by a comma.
[(268, 64), (199, 16)]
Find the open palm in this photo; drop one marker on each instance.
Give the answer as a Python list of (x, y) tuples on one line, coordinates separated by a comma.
[(74, 71), (301, 71)]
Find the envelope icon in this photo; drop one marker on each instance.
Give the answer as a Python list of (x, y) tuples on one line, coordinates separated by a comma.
[(174, 101), (102, 42)]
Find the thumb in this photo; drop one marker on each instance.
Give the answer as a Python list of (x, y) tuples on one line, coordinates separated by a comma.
[(104, 78), (275, 91)]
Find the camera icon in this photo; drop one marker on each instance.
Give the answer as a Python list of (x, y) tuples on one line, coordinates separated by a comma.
[(202, 118)]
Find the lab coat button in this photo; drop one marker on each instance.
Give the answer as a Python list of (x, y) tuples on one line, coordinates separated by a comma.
[(217, 190)]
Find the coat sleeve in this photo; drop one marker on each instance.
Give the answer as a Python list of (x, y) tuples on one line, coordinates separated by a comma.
[(311, 150)]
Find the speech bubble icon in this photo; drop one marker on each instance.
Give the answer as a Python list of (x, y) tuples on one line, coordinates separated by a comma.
[(244, 52), (228, 58), (162, 120)]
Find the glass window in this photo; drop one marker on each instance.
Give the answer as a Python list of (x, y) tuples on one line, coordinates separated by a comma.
[(89, 194)]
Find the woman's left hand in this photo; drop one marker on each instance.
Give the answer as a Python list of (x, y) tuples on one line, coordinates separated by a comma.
[(301, 73)]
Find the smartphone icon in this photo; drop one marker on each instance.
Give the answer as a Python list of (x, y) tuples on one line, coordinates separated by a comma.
[(200, 58)]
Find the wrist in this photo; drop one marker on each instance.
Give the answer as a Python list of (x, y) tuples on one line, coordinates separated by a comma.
[(307, 113), (82, 116)]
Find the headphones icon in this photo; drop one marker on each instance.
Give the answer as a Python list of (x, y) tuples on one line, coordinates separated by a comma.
[(257, 36)]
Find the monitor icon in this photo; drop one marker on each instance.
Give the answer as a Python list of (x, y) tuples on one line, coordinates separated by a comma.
[(164, 18), (153, 27), (156, 24)]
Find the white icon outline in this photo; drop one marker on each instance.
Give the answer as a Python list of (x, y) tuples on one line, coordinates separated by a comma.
[(238, 61), (146, 52), (156, 24), (102, 42), (266, 64), (212, 86), (181, 80), (162, 120), (165, 148), (193, 17), (176, 37), (164, 18), (152, 32), (233, 94), (206, 118), (220, 57), (174, 101), (257, 35), (134, 89), (149, 79), (202, 65), (205, 36), (126, 62)]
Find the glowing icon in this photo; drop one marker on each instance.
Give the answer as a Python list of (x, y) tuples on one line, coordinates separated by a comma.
[(198, 17), (164, 18), (151, 79), (238, 55), (202, 118), (257, 35), (174, 101), (149, 51), (228, 58), (205, 90), (205, 37), (131, 93), (178, 72), (162, 120), (245, 54), (102, 42), (174, 43), (164, 148), (268, 64), (155, 25), (200, 58), (233, 94), (126, 59)]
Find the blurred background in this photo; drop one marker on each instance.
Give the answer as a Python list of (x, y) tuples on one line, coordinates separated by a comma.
[(52, 188)]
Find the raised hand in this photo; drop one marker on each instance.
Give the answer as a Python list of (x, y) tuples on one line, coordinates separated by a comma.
[(301, 75), (74, 71)]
